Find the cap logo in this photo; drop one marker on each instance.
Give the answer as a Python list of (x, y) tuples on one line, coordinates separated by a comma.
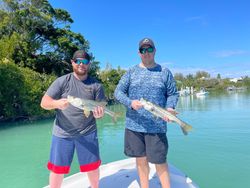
[(145, 41)]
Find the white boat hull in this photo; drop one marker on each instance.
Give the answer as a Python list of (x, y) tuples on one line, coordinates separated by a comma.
[(200, 94), (123, 174)]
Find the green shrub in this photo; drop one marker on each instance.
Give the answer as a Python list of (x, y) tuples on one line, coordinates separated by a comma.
[(21, 90), (11, 89), (35, 85)]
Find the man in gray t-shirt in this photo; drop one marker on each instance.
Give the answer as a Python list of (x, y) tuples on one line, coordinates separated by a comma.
[(72, 129)]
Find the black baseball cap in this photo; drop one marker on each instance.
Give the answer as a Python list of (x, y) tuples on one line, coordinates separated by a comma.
[(146, 42), (81, 54)]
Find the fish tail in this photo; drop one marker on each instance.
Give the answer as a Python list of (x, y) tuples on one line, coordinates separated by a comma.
[(186, 128), (114, 119), (115, 116)]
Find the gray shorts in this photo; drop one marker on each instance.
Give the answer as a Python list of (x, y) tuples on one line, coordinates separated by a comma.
[(154, 146)]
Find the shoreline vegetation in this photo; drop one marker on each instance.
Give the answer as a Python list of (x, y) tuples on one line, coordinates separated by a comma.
[(22, 88), (36, 45)]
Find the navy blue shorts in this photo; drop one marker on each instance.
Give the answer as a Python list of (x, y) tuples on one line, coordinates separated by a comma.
[(154, 146), (62, 152)]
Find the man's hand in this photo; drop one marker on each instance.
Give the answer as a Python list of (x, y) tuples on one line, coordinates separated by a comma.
[(48, 103), (98, 112), (61, 104), (136, 104), (172, 111)]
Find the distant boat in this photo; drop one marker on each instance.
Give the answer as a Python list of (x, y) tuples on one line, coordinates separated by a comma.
[(186, 92), (233, 88), (123, 174), (202, 92)]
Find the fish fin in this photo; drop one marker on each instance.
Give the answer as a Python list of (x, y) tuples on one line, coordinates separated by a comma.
[(184, 131), (103, 103), (186, 128), (86, 113), (115, 116)]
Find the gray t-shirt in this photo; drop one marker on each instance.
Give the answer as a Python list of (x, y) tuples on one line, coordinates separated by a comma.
[(72, 122)]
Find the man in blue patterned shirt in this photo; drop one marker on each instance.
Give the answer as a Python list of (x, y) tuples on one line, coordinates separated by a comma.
[(145, 135)]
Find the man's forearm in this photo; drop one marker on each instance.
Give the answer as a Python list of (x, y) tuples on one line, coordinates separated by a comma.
[(48, 103)]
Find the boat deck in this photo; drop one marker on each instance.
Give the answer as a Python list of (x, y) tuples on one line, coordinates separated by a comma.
[(123, 174)]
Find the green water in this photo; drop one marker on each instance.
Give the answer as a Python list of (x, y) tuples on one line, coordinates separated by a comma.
[(215, 155)]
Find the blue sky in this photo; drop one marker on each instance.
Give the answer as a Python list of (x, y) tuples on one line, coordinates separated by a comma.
[(190, 35)]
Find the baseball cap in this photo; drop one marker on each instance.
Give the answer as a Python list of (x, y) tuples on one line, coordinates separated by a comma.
[(146, 42), (81, 54)]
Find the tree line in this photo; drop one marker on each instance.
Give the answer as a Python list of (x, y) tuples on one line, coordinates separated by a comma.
[(36, 44), (202, 79)]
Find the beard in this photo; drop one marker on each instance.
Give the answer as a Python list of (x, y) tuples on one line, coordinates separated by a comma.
[(148, 61), (80, 70)]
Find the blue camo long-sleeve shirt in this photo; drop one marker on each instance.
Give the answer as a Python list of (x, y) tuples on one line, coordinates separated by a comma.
[(156, 85)]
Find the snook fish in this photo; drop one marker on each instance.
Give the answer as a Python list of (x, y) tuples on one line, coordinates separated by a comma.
[(90, 105), (160, 112)]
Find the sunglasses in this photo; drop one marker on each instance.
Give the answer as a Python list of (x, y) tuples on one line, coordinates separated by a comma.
[(144, 50), (83, 61)]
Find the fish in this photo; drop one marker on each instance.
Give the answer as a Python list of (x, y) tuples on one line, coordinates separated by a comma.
[(89, 105), (161, 113)]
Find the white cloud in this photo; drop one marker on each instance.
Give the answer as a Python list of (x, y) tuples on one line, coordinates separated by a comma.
[(167, 63), (225, 71), (187, 70), (228, 53)]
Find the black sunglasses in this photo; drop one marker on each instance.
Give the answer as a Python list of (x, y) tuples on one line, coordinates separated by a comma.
[(144, 50), (83, 61)]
